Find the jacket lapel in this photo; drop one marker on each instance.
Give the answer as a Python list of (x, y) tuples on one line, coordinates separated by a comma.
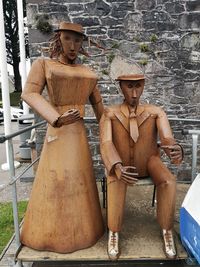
[(142, 115), (122, 115)]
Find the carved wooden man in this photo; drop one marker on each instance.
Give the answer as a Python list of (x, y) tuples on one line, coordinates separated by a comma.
[(130, 152)]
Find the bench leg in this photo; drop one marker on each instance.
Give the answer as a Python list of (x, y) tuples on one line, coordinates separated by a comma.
[(154, 196)]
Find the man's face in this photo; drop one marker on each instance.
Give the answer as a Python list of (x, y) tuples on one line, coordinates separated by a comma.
[(71, 44), (132, 91)]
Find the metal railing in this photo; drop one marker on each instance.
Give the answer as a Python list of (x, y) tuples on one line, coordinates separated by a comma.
[(13, 179), (8, 140), (195, 134)]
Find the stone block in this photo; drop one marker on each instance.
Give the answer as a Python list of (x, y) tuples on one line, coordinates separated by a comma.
[(111, 22), (57, 17), (120, 10), (145, 4), (189, 21), (182, 91), (87, 21), (73, 1), (193, 5), (156, 16), (174, 8), (191, 77), (120, 1), (35, 36), (133, 22), (166, 26), (48, 8), (192, 66), (190, 41), (36, 50), (173, 64), (98, 30), (97, 8), (32, 11), (116, 34), (77, 9), (28, 2)]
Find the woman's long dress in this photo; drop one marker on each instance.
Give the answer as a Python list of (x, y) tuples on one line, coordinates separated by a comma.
[(64, 213)]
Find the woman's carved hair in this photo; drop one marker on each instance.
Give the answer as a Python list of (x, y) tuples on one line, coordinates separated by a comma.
[(55, 47)]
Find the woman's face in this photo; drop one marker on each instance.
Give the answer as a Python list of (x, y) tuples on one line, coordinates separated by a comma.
[(71, 44)]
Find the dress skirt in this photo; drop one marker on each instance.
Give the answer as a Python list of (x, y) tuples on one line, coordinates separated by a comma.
[(63, 213)]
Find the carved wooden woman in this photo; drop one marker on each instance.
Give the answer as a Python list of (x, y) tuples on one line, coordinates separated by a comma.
[(64, 213)]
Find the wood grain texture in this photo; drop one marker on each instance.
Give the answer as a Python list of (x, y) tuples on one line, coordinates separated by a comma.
[(64, 212)]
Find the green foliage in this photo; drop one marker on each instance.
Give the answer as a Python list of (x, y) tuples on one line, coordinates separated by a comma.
[(110, 57), (143, 62), (144, 48), (6, 221), (136, 39), (15, 98), (12, 38), (104, 72), (83, 59), (153, 38), (115, 45), (43, 24)]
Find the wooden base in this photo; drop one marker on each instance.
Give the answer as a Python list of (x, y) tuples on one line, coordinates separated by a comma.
[(140, 238)]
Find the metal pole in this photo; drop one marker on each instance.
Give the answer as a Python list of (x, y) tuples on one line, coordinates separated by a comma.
[(4, 78), (14, 192), (22, 49), (194, 155), (14, 197)]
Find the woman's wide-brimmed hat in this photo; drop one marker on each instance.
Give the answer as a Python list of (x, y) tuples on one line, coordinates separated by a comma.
[(69, 26)]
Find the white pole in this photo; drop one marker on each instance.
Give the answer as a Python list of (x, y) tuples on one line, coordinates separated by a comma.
[(4, 79), (22, 49)]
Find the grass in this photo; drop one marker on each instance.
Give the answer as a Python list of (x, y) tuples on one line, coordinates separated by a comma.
[(144, 48), (14, 99), (6, 221)]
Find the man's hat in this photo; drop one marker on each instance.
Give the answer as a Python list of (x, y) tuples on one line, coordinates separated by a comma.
[(130, 77), (68, 26)]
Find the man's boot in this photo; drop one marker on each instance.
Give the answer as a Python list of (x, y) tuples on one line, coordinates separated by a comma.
[(169, 246), (113, 245)]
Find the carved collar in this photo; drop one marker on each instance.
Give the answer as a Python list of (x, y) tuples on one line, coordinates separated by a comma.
[(123, 114)]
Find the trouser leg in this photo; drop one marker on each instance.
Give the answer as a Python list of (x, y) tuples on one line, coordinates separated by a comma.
[(116, 195), (165, 183)]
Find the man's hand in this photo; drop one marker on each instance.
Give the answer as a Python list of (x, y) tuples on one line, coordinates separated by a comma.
[(175, 153), (68, 117), (126, 173)]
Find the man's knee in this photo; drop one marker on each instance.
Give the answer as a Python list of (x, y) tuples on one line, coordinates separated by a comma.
[(159, 172)]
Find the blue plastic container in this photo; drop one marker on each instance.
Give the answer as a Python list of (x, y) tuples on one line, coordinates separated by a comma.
[(190, 220)]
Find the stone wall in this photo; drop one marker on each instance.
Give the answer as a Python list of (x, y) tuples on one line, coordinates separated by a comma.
[(160, 37)]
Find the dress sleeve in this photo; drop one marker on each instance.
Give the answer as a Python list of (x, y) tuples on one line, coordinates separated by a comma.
[(96, 102), (109, 153), (33, 89)]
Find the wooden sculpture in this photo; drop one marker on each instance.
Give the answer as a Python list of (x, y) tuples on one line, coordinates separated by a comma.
[(63, 213), (130, 152)]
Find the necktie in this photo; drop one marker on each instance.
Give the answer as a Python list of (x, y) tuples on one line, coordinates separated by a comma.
[(133, 127)]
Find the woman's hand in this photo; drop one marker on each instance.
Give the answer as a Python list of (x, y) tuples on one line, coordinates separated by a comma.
[(126, 173), (70, 116)]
